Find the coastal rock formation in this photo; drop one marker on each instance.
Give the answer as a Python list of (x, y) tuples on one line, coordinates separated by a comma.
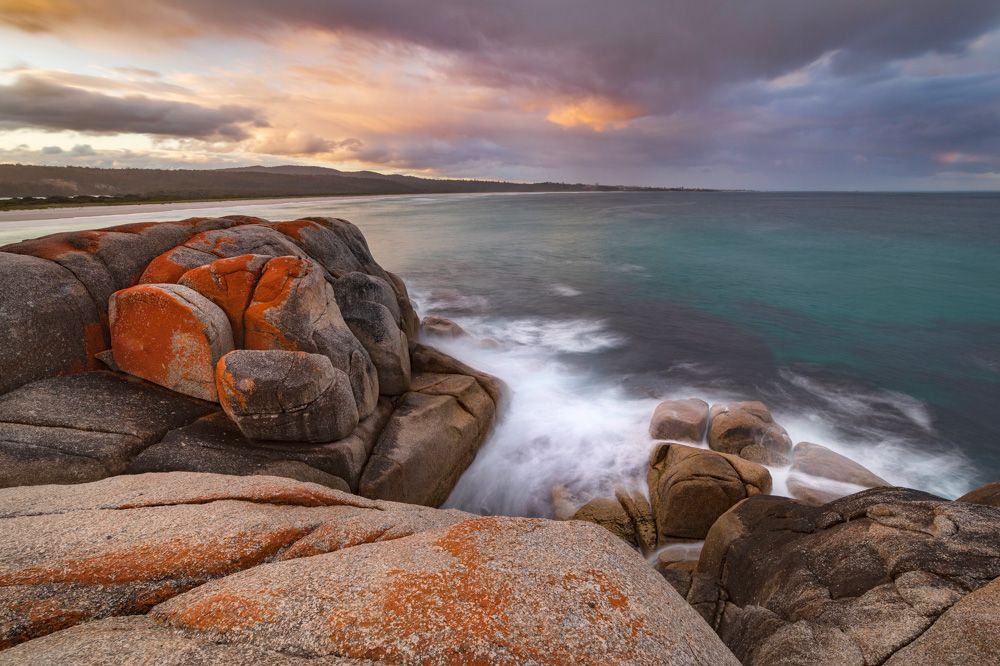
[(441, 327), (865, 579), (236, 568), (680, 419), (817, 460), (628, 516), (84, 427), (988, 494), (689, 488), (747, 429), (286, 396), (165, 301), (170, 335)]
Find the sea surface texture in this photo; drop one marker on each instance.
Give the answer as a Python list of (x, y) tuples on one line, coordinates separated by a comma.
[(869, 323)]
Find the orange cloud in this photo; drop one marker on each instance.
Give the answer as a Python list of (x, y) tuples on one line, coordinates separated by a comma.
[(596, 113)]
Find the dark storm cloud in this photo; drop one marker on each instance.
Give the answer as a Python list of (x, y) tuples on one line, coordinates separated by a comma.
[(32, 102)]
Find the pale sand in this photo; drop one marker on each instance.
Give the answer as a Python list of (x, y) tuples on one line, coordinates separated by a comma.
[(132, 209)]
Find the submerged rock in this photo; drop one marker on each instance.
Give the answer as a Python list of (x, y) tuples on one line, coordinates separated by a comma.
[(817, 460), (394, 583), (441, 327), (690, 488), (680, 419)]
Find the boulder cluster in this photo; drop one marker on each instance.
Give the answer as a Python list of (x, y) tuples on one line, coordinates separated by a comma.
[(231, 345)]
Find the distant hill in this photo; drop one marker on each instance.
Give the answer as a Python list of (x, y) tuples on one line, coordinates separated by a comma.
[(20, 180)]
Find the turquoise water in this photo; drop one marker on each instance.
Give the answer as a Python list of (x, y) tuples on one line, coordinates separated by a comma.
[(869, 320)]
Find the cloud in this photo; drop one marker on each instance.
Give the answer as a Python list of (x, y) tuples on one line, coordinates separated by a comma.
[(33, 102)]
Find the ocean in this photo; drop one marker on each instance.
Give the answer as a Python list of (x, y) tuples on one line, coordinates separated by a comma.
[(868, 322)]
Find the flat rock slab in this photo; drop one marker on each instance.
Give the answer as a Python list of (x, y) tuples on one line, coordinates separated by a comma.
[(214, 444), (84, 427)]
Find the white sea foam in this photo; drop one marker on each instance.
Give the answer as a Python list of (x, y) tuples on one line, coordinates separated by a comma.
[(565, 290), (567, 427)]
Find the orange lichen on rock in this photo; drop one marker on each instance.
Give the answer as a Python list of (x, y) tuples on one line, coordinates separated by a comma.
[(169, 335), (230, 284), (225, 611), (164, 269), (272, 294)]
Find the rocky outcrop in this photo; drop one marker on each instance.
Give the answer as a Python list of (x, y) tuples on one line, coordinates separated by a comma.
[(747, 429), (286, 396), (177, 296), (988, 494), (170, 335), (854, 581), (394, 583), (689, 488), (680, 419), (84, 427), (627, 515)]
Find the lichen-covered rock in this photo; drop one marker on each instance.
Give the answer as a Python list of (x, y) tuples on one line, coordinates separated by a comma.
[(170, 335), (51, 323), (286, 396), (294, 308), (84, 427), (393, 583), (690, 488), (481, 591), (387, 346), (680, 419), (853, 581), (214, 444), (748, 430), (441, 327), (817, 460), (431, 438), (988, 494), (229, 283)]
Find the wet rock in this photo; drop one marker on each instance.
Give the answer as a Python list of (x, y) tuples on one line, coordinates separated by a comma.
[(84, 427), (229, 283), (853, 581), (294, 308), (817, 460), (641, 514), (46, 331), (690, 488), (609, 514), (441, 327), (286, 396), (431, 438), (680, 419), (988, 494), (429, 360), (170, 335), (747, 429)]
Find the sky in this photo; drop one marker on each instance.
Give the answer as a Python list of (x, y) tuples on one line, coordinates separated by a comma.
[(761, 94)]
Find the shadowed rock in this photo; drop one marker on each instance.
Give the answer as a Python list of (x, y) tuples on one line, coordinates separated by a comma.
[(853, 581), (690, 488), (170, 335), (286, 396), (84, 427)]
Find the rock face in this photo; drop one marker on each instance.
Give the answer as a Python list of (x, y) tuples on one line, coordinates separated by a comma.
[(395, 583), (988, 494), (170, 335), (855, 581), (817, 460), (286, 396), (294, 308), (680, 419), (690, 488), (747, 429), (628, 516), (229, 283), (84, 427), (431, 438)]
